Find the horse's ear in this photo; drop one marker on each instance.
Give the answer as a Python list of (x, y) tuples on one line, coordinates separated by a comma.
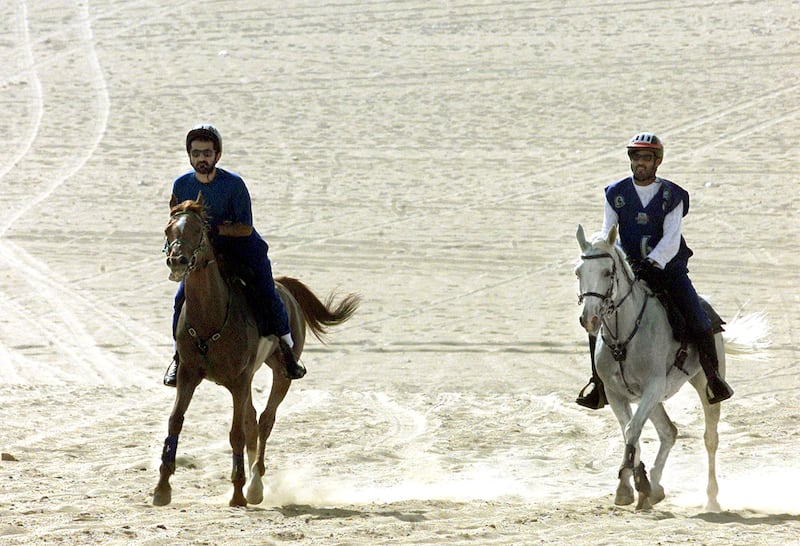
[(199, 199), (611, 238), (582, 239), (172, 202)]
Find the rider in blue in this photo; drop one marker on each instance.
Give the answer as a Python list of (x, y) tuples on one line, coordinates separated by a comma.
[(230, 218), (649, 212)]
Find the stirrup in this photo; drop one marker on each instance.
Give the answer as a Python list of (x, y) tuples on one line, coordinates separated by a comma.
[(171, 375), (720, 392), (593, 399)]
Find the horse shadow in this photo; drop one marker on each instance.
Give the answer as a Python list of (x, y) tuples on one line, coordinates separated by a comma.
[(318, 513), (752, 518)]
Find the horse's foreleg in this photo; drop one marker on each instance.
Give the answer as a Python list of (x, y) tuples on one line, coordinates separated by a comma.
[(622, 411), (633, 467), (667, 433), (241, 403), (630, 462), (162, 495), (251, 432), (651, 398), (624, 493), (642, 487), (280, 386)]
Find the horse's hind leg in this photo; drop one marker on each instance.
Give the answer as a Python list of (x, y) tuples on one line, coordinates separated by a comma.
[(280, 386), (667, 433), (711, 439)]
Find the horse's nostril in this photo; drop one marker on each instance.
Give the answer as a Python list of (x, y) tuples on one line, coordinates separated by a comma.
[(184, 260)]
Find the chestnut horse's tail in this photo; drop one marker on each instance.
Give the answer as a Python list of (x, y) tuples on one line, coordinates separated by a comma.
[(320, 315)]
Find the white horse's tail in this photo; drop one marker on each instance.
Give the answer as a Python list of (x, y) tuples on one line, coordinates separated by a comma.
[(747, 335)]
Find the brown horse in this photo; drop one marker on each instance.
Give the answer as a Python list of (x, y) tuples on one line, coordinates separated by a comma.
[(218, 339)]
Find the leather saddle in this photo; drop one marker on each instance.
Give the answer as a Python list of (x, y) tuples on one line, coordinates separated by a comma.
[(241, 277), (678, 322)]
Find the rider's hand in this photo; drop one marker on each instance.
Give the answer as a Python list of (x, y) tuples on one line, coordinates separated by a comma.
[(637, 266), (213, 233), (650, 273)]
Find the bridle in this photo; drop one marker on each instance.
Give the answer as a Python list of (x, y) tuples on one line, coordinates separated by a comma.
[(201, 247), (609, 308)]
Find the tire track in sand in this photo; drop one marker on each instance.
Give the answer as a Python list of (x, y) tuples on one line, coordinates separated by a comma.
[(73, 317)]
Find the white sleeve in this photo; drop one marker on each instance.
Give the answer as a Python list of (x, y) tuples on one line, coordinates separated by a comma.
[(670, 242), (610, 217)]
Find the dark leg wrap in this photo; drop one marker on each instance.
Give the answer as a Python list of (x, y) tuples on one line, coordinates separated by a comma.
[(640, 480), (168, 452)]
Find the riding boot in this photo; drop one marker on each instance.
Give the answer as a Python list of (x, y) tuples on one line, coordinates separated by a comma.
[(717, 390), (171, 376), (593, 395), (294, 370)]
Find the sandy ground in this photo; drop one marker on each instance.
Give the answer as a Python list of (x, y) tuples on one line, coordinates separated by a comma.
[(435, 157)]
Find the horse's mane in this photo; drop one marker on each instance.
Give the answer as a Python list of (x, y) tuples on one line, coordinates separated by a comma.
[(189, 206)]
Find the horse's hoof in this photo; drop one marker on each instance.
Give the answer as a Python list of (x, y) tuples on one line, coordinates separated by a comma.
[(644, 504), (624, 496), (238, 500), (623, 501), (255, 487), (657, 495), (254, 498), (255, 492), (162, 497)]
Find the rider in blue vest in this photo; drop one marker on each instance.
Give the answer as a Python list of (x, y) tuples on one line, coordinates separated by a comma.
[(649, 211), (230, 219)]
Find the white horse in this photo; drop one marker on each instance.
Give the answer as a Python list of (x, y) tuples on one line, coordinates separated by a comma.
[(639, 361)]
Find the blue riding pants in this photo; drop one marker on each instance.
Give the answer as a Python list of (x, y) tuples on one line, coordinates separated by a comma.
[(680, 288)]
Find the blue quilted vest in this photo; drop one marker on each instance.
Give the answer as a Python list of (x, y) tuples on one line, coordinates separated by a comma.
[(640, 227)]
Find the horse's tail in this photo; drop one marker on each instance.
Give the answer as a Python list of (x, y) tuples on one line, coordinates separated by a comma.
[(747, 335), (320, 315)]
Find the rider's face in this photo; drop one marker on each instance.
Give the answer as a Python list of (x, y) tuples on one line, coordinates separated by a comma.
[(644, 165), (202, 156)]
